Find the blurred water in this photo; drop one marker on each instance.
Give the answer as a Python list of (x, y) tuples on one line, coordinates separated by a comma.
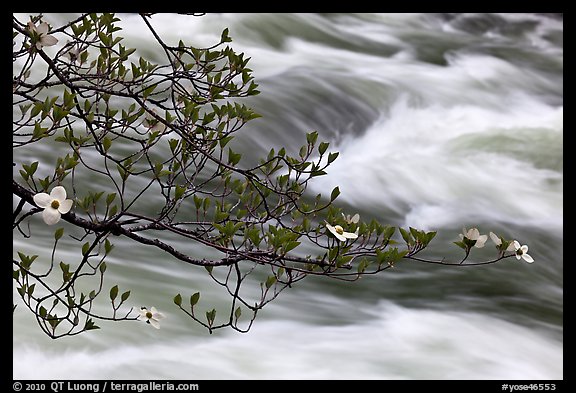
[(442, 121)]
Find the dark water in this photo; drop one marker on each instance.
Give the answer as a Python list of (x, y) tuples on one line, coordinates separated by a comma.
[(442, 121)]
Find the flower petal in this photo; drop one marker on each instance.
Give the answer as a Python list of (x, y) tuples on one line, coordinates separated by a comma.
[(42, 200), (527, 258), (42, 28), (516, 245), (510, 247), (332, 229), (31, 26), (473, 234), (143, 312), (160, 127), (495, 238), (480, 241), (50, 215), (524, 249), (59, 193), (340, 237), (355, 218), (335, 233), (154, 323), (349, 235), (48, 40), (65, 206), (158, 315)]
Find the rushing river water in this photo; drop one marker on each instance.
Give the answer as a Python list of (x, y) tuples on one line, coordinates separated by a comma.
[(442, 121)]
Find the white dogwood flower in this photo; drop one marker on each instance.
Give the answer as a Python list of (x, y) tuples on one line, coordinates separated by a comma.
[(151, 316), (340, 234), (521, 252), (474, 234), (44, 39), (351, 220), (54, 204), (498, 242)]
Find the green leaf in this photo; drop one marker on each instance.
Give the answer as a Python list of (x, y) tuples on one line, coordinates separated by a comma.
[(148, 91), (43, 312), (53, 321), (178, 300), (388, 232), (125, 296), (24, 108), (85, 248), (332, 157), (224, 37), (430, 236), (102, 267), (323, 147), (90, 325), (104, 38), (225, 140), (194, 299), (406, 236), (122, 172), (290, 246), (343, 260), (270, 281), (173, 144), (108, 246), (36, 109), (416, 234), (106, 143), (469, 242), (179, 192), (238, 312), (210, 316), (233, 158), (58, 234), (65, 267), (312, 137), (206, 204), (334, 194), (24, 174), (197, 202), (33, 168), (461, 245), (113, 292), (110, 198), (280, 272)]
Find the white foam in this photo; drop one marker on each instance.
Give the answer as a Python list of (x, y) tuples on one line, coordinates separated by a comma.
[(410, 158), (398, 343)]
